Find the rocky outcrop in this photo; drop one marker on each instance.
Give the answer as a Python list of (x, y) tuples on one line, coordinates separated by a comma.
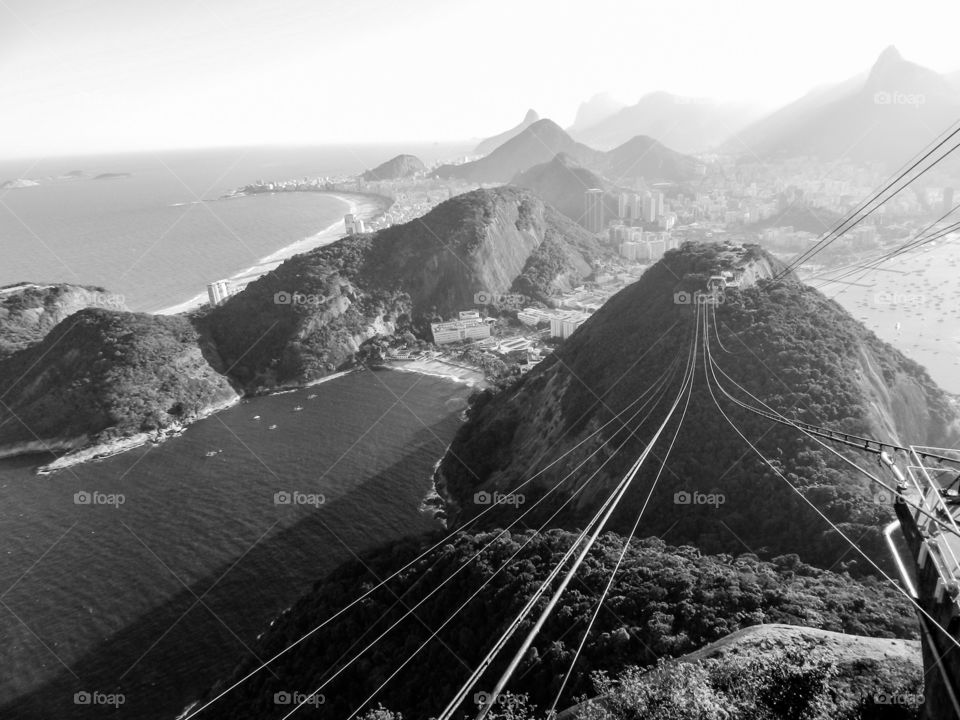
[(29, 311), (401, 166)]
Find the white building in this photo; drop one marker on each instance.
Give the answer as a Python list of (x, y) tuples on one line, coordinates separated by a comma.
[(563, 324), (353, 224), (459, 330), (219, 291)]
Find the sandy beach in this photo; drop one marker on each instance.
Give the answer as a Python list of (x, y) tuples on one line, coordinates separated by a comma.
[(438, 367), (365, 207)]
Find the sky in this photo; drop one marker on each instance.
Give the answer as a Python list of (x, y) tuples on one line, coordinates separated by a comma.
[(87, 76)]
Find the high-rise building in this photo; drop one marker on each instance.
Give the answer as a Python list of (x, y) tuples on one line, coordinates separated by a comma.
[(594, 210), (947, 200), (649, 213), (623, 205), (218, 292), (658, 196)]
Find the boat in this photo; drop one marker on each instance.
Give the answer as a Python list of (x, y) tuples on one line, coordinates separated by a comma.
[(256, 417), (272, 427), (311, 397), (211, 453), (298, 408)]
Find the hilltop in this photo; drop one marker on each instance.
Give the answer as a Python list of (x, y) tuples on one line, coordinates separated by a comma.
[(643, 158), (666, 601), (401, 166), (493, 241), (789, 345), (100, 375), (28, 311), (639, 158), (885, 115), (537, 143), (562, 183), (492, 143)]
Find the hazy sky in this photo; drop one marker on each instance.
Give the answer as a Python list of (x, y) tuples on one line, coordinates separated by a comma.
[(92, 75)]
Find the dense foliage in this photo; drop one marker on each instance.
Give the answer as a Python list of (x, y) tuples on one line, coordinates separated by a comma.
[(665, 601), (788, 345), (106, 374)]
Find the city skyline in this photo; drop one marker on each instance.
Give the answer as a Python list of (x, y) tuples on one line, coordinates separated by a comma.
[(105, 76)]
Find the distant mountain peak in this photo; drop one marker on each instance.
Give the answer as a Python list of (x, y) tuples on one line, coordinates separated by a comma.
[(889, 54), (531, 116)]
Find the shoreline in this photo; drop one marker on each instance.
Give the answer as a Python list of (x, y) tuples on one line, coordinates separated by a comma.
[(364, 206), (444, 369), (101, 451)]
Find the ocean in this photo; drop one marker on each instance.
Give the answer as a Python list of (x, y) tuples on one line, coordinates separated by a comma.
[(160, 590), (143, 235), (159, 595)]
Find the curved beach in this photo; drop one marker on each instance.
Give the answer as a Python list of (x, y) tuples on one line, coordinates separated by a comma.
[(365, 207)]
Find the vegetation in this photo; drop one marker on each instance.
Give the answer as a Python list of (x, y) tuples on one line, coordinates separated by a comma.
[(788, 345), (665, 602), (310, 315), (106, 374)]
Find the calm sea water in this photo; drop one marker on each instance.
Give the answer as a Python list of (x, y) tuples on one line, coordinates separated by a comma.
[(145, 236), (160, 596)]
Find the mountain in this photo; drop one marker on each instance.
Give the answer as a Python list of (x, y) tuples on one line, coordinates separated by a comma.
[(399, 167), (536, 144), (788, 345), (491, 143), (885, 116), (644, 158), (100, 375), (562, 182), (28, 311), (310, 315), (688, 125), (665, 601), (593, 111)]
